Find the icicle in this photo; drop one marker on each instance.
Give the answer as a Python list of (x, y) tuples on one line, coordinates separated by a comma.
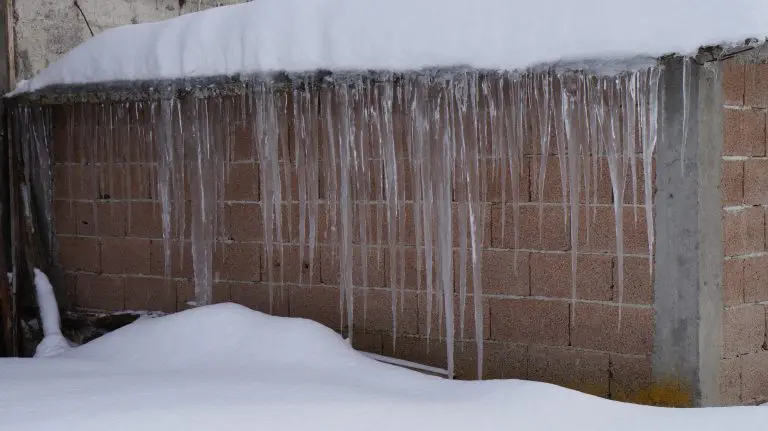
[(364, 190), (501, 142), (562, 150), (544, 116), (266, 127), (415, 148), (218, 133), (345, 204), (400, 175), (480, 101), (476, 223), (179, 180), (616, 151), (150, 154), (203, 203), (463, 220), (571, 143), (630, 129), (228, 141), (649, 124), (653, 107), (70, 153), (42, 177), (587, 156), (313, 176), (595, 135), (284, 174), (164, 183), (429, 125), (259, 128), (462, 186), (300, 150), (332, 183), (272, 134), (442, 180), (384, 102), (103, 129), (517, 157)]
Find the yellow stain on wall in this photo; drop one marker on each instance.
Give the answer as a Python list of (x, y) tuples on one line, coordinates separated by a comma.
[(661, 394)]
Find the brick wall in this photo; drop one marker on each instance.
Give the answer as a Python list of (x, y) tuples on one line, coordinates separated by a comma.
[(107, 218), (744, 376)]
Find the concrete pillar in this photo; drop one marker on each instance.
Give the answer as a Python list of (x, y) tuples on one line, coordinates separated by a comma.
[(688, 297)]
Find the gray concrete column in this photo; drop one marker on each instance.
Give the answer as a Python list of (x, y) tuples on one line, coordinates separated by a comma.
[(688, 297)]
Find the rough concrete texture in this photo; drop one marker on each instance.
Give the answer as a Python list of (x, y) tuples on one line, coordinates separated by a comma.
[(711, 233), (689, 252), (47, 29)]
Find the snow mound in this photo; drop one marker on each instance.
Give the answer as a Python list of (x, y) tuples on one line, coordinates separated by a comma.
[(227, 367), (306, 35), (201, 335)]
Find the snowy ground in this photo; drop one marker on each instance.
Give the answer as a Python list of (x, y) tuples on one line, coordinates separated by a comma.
[(227, 367)]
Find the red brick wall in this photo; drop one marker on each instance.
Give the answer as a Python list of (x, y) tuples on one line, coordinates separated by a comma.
[(745, 197), (108, 225)]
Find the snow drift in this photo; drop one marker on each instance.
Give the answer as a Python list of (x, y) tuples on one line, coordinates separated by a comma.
[(306, 35), (225, 366)]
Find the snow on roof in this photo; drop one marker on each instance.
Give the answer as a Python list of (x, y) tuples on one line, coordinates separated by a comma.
[(307, 35), (227, 367)]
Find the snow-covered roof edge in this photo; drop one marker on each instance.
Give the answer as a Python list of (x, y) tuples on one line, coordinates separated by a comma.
[(237, 84), (119, 91), (401, 35)]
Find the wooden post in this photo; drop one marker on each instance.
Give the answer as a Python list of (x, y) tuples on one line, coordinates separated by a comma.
[(9, 341), (8, 305)]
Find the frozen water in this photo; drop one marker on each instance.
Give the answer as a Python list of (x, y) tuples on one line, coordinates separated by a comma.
[(165, 181), (390, 169), (204, 200)]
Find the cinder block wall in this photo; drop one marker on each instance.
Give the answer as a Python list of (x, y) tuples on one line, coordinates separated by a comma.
[(107, 218), (744, 378)]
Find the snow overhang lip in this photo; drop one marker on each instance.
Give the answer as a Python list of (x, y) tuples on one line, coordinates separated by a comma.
[(206, 86)]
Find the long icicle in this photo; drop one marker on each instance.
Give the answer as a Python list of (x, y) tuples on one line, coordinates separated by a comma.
[(345, 204), (476, 222), (444, 238), (571, 143)]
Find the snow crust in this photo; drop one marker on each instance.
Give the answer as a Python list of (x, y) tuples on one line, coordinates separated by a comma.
[(306, 35), (227, 367)]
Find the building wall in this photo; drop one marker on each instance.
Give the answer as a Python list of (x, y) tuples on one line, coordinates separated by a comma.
[(45, 30), (107, 218), (744, 378)]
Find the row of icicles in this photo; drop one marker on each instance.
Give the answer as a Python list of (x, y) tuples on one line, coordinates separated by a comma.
[(349, 139)]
